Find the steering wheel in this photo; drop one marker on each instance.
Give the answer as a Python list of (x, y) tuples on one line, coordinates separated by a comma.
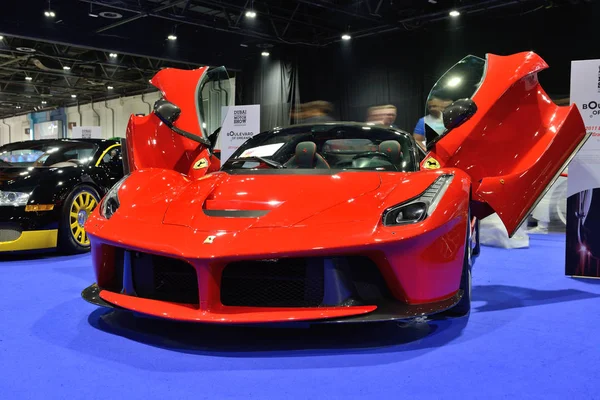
[(373, 154)]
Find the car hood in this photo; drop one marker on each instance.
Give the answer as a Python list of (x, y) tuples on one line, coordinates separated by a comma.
[(235, 202), (20, 178)]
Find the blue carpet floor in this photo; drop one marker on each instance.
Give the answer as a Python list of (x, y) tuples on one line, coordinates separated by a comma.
[(533, 333)]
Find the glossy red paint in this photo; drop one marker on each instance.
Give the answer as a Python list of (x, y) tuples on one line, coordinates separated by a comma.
[(229, 315), (294, 229), (501, 158), (517, 142)]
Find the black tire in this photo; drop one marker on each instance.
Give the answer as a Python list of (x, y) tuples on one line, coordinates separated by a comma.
[(73, 239), (477, 248)]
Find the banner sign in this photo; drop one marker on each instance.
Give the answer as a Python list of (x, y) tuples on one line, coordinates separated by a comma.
[(583, 184), (240, 123), (87, 132)]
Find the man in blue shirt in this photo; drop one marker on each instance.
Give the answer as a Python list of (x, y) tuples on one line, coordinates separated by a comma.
[(434, 118)]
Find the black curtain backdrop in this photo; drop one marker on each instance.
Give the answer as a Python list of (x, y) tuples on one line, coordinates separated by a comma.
[(399, 68), (273, 83), (356, 76)]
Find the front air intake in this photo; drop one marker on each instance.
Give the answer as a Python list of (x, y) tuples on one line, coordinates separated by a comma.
[(292, 282), (164, 279)]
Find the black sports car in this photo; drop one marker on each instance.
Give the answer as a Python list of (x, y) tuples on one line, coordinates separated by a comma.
[(49, 187)]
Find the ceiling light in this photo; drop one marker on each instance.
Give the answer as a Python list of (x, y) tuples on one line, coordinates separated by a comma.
[(18, 107), (91, 14), (113, 55), (110, 87), (66, 68), (454, 13), (265, 54), (110, 15), (73, 95), (1, 37), (49, 14), (250, 14), (44, 102), (28, 78), (345, 36), (172, 37)]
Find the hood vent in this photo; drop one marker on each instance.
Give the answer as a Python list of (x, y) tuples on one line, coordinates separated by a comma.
[(236, 213)]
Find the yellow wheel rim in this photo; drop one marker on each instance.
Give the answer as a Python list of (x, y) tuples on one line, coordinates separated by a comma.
[(81, 208)]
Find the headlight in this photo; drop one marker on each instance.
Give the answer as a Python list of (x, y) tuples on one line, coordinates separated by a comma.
[(110, 202), (13, 198), (417, 209)]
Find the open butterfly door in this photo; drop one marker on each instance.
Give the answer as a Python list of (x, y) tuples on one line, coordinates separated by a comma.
[(195, 100), (500, 126)]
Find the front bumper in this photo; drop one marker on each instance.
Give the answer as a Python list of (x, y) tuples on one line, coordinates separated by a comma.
[(391, 311), (31, 240), (421, 274)]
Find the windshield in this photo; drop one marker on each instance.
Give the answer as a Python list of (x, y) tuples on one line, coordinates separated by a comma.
[(327, 147), (459, 82), (47, 154)]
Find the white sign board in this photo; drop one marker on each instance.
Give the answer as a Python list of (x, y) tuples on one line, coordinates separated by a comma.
[(240, 123), (47, 130), (87, 132)]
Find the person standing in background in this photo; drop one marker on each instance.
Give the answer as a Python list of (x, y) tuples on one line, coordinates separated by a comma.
[(434, 118), (315, 112), (383, 115)]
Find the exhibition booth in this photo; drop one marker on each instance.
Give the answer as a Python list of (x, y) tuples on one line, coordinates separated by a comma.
[(317, 220)]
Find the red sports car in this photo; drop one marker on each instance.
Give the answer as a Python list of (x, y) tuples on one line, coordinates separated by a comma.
[(331, 222)]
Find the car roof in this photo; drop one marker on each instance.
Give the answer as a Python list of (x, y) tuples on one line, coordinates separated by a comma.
[(65, 140), (99, 142)]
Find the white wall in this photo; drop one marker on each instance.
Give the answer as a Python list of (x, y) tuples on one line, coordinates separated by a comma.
[(123, 109), (17, 129)]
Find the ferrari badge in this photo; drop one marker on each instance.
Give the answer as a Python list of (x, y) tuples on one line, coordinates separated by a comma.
[(432, 163), (201, 163)]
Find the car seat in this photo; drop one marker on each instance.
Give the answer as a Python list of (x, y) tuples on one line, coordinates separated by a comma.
[(306, 156), (392, 149)]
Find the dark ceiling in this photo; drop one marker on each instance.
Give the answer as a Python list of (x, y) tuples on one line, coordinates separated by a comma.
[(81, 34)]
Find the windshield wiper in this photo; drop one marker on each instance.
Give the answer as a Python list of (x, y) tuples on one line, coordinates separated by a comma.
[(7, 164), (266, 161)]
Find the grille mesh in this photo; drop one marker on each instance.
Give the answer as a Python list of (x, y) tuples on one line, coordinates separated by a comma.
[(276, 283), (165, 279), (9, 234), (175, 280)]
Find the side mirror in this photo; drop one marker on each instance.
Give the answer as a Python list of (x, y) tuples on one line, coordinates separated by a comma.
[(167, 112), (458, 113), (453, 116)]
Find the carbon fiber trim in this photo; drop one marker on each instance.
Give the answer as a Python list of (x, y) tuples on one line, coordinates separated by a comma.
[(91, 294), (397, 311)]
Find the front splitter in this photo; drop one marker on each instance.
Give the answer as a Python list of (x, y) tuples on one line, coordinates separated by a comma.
[(390, 311)]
